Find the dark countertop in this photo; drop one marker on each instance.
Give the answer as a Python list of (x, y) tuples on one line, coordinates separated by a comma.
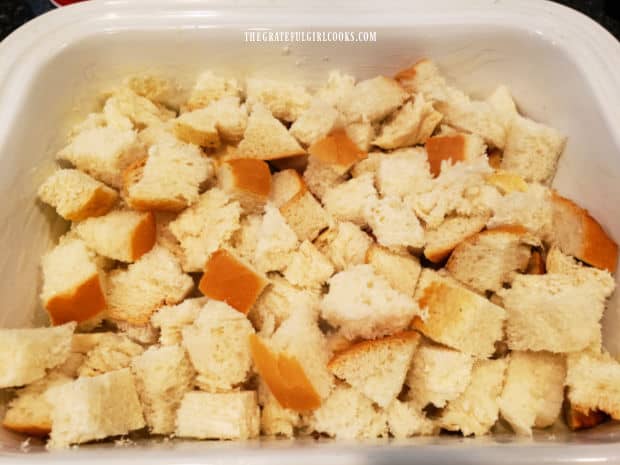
[(13, 13)]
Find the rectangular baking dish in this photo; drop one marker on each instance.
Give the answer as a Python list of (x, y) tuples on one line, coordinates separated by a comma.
[(561, 66)]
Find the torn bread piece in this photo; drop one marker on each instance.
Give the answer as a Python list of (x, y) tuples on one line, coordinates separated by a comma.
[(533, 391), (406, 419), (247, 180), (123, 235), (337, 89), (453, 148), (134, 294), (156, 88), (348, 201), (456, 316), (361, 133), (198, 127), (308, 267), (285, 100), (244, 240), (315, 123), (305, 215), (442, 240), (76, 196), (275, 243), (506, 181), (402, 271), (558, 263), (73, 284), (140, 110), (363, 304), (210, 87), (345, 245), (394, 224), (171, 319), (370, 164), (113, 351), (401, 173), (373, 99), (276, 420), (286, 185), (104, 153), (26, 354), (377, 368), (229, 415)]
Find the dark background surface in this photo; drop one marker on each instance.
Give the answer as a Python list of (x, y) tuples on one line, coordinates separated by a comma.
[(14, 13)]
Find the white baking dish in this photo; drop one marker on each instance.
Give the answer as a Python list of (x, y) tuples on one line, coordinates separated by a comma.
[(560, 66)]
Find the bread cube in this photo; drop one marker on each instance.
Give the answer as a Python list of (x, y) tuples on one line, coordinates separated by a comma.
[(373, 99), (315, 123), (424, 78), (345, 245), (337, 150), (505, 107), (171, 319), (558, 263), (348, 201), (406, 419), (140, 110), (394, 224), (112, 352), (285, 100), (361, 133), (305, 215), (453, 148), (276, 420), (198, 127), (244, 240), (402, 172), (321, 177), (337, 88), (400, 271), (308, 267), (209, 88), (247, 180), (275, 243), (443, 239), (286, 185), (153, 87)]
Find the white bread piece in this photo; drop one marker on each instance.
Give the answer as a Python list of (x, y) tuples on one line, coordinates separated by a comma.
[(144, 334), (423, 77), (99, 407), (337, 89), (488, 260), (476, 410), (553, 312), (134, 294), (373, 99), (438, 375), (363, 304), (81, 343), (210, 87), (140, 110), (320, 177), (266, 138), (442, 240), (285, 185), (377, 368), (315, 123), (531, 209), (559, 263), (456, 316), (394, 224), (158, 134), (532, 150), (230, 415), (348, 201), (412, 124), (452, 148), (112, 352), (276, 420), (198, 127), (93, 121), (370, 164), (153, 87), (163, 375), (73, 287), (505, 107), (231, 118), (403, 172), (534, 390), (26, 354), (305, 215), (114, 118), (103, 153), (205, 226), (347, 414), (308, 267), (169, 179), (345, 245), (217, 343), (285, 100), (244, 240), (276, 242), (76, 196), (247, 180), (406, 419), (362, 133), (123, 235), (578, 234), (593, 383), (29, 412), (401, 271), (171, 319), (505, 181)]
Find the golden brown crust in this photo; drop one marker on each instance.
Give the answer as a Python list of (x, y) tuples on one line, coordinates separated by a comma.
[(227, 279), (41, 430), (85, 302), (578, 419), (364, 346), (536, 264), (337, 148), (516, 229), (100, 203), (495, 158), (144, 236), (297, 163), (251, 175), (404, 76), (442, 148)]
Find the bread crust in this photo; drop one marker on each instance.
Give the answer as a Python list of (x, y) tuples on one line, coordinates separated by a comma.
[(251, 175), (365, 346), (100, 202), (39, 431), (83, 303), (337, 149), (144, 236)]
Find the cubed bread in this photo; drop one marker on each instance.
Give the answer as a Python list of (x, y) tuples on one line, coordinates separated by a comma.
[(457, 317), (558, 263), (163, 375), (276, 420), (337, 150), (171, 319), (153, 87), (315, 123), (229, 279), (285, 100), (337, 88), (198, 127), (437, 375), (305, 215), (363, 304), (423, 77), (144, 334), (533, 391), (361, 133), (370, 164), (400, 271), (228, 415), (348, 201), (488, 260), (72, 283), (285, 185), (578, 234), (247, 180), (112, 352), (275, 243), (412, 124), (99, 407), (218, 346), (308, 267), (532, 150), (345, 245), (348, 414), (452, 148), (442, 240), (394, 224), (553, 312), (76, 196), (373, 99), (406, 419), (321, 177), (169, 179), (266, 138), (577, 420), (210, 87), (140, 110), (104, 153), (205, 227), (503, 103), (402, 172), (123, 235), (134, 294), (476, 410), (506, 181), (26, 354), (244, 240), (377, 368)]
